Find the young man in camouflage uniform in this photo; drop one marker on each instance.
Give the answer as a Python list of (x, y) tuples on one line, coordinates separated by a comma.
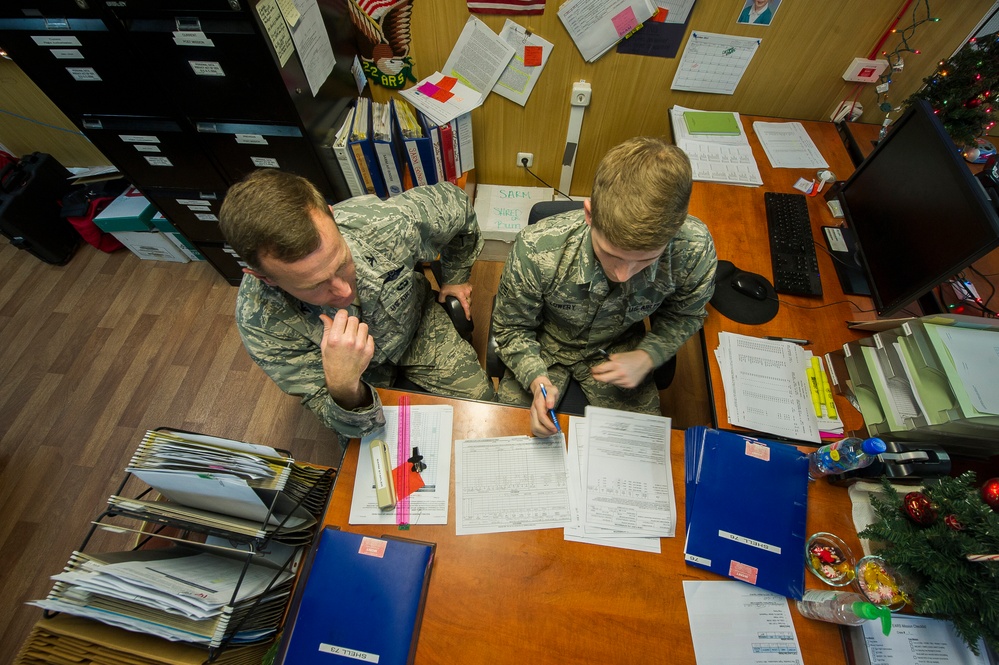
[(575, 283), (329, 309)]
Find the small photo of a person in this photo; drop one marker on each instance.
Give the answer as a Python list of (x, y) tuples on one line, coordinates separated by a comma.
[(759, 12)]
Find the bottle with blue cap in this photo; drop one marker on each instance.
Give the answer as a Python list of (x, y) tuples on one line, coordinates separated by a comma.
[(845, 455), (842, 607)]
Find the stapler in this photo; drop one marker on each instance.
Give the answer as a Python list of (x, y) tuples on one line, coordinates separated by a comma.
[(902, 461)]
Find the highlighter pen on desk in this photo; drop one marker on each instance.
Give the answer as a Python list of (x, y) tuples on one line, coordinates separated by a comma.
[(827, 392), (813, 389), (551, 412), (793, 340)]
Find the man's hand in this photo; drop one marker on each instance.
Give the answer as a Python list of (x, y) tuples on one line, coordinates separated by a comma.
[(541, 422), (347, 349), (463, 292), (624, 370)]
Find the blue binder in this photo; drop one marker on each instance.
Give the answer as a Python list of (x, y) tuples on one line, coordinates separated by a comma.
[(746, 505), (419, 151), (359, 598), (363, 149)]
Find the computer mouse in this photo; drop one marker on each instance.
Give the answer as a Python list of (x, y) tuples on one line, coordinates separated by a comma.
[(749, 285)]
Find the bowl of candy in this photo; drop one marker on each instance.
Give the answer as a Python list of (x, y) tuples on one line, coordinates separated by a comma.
[(830, 559), (879, 583)]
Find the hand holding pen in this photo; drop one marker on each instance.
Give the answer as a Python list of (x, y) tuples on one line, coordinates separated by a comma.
[(544, 421)]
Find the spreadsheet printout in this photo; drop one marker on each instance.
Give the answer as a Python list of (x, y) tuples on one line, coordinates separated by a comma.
[(714, 63), (511, 483)]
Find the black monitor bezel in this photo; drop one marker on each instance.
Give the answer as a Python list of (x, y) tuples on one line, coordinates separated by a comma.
[(964, 176)]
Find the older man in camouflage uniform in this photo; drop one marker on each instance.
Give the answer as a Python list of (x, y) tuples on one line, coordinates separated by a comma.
[(329, 309), (575, 283)]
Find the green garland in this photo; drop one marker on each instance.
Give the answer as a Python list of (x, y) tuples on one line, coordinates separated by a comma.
[(945, 584)]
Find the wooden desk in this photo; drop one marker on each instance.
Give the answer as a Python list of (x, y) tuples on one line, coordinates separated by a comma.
[(532, 597), (737, 219)]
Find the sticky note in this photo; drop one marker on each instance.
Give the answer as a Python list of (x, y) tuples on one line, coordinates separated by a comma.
[(661, 14), (428, 89), (625, 21), (415, 480), (532, 56), (447, 82)]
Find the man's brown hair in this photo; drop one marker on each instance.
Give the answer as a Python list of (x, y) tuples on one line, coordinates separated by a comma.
[(640, 193), (267, 213)]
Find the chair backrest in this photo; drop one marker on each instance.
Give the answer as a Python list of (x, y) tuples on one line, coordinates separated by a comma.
[(544, 209)]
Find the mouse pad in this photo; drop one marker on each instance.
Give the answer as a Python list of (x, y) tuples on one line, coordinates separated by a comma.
[(740, 307)]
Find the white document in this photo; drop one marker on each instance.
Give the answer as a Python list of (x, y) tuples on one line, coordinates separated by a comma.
[(577, 531), (716, 158), (629, 478), (976, 357), (734, 622), (518, 79), (430, 430), (514, 483), (442, 98), (788, 145), (916, 640), (766, 386), (479, 57), (312, 41), (597, 25), (503, 211), (714, 63)]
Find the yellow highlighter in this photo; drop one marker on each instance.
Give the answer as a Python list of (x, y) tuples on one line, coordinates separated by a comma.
[(381, 468), (818, 399), (813, 388), (828, 394)]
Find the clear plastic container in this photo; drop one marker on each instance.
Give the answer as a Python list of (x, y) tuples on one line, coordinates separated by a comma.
[(830, 559), (845, 455), (842, 607), (879, 584)]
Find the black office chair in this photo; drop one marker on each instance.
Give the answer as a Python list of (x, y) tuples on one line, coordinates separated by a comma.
[(573, 401), (464, 325)]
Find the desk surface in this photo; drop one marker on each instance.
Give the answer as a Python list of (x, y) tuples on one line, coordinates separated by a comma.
[(737, 219), (532, 597)]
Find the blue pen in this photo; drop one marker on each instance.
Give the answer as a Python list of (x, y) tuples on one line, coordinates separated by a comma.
[(551, 412)]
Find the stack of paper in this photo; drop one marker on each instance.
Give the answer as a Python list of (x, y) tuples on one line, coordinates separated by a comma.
[(716, 157), (178, 594), (622, 479), (503, 211), (766, 388), (788, 145), (746, 504)]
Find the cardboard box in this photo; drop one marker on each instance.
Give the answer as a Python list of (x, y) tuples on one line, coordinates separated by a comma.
[(151, 245), (131, 211), (161, 223)]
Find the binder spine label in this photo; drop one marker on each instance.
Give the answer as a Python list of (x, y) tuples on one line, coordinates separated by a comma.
[(749, 541), (414, 160), (362, 656)]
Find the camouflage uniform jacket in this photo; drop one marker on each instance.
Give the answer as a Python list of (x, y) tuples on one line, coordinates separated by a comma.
[(387, 239), (555, 305)]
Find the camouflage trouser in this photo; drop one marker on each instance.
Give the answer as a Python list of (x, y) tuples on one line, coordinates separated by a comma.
[(643, 399), (439, 360)]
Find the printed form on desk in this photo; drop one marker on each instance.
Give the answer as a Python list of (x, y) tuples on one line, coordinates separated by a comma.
[(721, 158), (430, 430), (766, 388), (788, 145)]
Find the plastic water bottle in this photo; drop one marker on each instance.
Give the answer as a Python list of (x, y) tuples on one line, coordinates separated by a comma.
[(842, 456), (843, 607)]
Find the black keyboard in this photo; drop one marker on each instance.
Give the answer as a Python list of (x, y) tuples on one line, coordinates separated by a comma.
[(792, 252)]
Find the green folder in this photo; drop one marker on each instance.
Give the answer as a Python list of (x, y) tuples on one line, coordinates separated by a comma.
[(708, 122)]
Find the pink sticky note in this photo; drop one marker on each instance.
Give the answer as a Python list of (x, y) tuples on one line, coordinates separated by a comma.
[(428, 89), (532, 56), (625, 22)]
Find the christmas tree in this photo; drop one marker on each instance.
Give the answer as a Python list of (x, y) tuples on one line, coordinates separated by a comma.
[(962, 90), (945, 542)]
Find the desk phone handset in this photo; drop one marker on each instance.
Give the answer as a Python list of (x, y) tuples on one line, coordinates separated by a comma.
[(902, 461)]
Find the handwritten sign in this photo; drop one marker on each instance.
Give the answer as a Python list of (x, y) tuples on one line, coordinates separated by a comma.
[(503, 211)]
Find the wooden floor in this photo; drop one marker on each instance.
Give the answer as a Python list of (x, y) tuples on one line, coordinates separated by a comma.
[(94, 353)]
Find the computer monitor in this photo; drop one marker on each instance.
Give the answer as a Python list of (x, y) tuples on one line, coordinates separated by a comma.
[(915, 212)]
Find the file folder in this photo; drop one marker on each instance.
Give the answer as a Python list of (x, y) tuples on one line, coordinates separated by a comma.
[(747, 501), (360, 599)]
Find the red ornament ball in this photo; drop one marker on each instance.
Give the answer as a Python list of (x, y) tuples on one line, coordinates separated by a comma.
[(990, 493), (919, 508), (973, 103), (953, 523)]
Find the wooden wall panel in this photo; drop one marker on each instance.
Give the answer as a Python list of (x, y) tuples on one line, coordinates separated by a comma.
[(796, 73), (19, 95)]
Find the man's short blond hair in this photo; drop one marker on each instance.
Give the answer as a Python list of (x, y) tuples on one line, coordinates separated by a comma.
[(268, 213), (640, 193)]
